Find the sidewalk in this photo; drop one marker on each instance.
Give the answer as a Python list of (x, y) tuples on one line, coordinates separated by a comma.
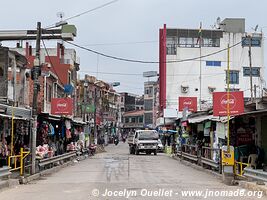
[(243, 184)]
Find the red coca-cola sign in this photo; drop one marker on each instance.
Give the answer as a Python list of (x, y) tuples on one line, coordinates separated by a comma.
[(221, 101), (61, 106), (188, 102)]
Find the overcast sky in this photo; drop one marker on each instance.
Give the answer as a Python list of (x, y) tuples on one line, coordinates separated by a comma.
[(126, 28)]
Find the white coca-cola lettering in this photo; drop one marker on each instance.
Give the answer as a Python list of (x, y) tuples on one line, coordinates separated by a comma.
[(187, 102), (225, 101)]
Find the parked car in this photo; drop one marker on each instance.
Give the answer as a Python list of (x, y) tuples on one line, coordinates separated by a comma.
[(160, 146)]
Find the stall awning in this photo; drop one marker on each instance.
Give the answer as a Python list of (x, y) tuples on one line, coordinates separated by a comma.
[(16, 118), (168, 121), (202, 118), (199, 119), (78, 122)]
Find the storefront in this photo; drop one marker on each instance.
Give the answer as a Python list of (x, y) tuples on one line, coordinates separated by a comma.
[(20, 136)]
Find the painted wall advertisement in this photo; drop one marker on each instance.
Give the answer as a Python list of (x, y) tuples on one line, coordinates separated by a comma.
[(188, 102), (220, 101), (61, 106)]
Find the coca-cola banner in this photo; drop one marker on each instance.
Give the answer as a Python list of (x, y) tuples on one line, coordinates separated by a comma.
[(220, 100), (61, 106), (188, 102)]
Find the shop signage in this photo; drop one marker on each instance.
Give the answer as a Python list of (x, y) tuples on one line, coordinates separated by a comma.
[(61, 106), (188, 102), (220, 101)]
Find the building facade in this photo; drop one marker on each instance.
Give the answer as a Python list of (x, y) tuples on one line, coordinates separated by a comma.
[(193, 63), (150, 103)]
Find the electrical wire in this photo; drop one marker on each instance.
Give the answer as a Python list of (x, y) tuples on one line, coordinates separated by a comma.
[(121, 43), (148, 62), (93, 9), (85, 12)]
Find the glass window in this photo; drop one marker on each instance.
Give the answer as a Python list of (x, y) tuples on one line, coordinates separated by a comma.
[(255, 71), (255, 41), (213, 63), (234, 77)]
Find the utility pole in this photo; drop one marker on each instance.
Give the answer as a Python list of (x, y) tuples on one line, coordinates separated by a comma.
[(36, 74), (95, 131), (250, 68)]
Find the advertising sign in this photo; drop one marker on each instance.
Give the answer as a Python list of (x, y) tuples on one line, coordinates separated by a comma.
[(220, 101), (61, 106), (188, 102), (228, 156)]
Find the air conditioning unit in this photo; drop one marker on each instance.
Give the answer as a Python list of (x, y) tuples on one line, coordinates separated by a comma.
[(184, 89), (211, 89)]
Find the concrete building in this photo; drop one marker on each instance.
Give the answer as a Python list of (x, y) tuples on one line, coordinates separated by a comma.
[(193, 62), (98, 96), (59, 75), (150, 103)]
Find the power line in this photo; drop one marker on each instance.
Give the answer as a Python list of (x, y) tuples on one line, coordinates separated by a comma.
[(93, 9), (85, 12), (148, 62), (120, 43)]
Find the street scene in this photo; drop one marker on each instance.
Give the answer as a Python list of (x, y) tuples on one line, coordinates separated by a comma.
[(130, 99), (89, 179)]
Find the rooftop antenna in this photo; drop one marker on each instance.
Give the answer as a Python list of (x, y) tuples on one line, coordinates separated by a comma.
[(218, 22), (256, 28), (61, 15)]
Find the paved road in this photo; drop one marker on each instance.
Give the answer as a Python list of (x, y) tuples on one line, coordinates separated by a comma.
[(124, 175)]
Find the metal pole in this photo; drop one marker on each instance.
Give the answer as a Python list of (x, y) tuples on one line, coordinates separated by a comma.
[(228, 97), (36, 69), (250, 68), (200, 66), (95, 131)]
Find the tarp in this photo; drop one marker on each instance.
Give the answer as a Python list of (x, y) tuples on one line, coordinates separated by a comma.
[(202, 118)]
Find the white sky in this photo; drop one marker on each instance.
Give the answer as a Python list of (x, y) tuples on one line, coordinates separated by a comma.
[(134, 24)]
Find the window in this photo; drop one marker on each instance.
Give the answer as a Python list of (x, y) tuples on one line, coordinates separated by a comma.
[(133, 120), (171, 45), (213, 63), (234, 77), (54, 90), (148, 104), (255, 41), (232, 89), (126, 120), (255, 71), (194, 42), (148, 118), (48, 92)]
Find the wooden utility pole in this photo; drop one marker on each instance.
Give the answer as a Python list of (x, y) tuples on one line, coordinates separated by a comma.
[(250, 69), (36, 86)]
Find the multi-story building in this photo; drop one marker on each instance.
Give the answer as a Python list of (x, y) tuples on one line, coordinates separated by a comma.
[(98, 100), (15, 115), (59, 75), (150, 103), (133, 120), (193, 62)]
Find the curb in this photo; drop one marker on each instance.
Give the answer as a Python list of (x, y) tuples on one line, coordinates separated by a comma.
[(25, 180)]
